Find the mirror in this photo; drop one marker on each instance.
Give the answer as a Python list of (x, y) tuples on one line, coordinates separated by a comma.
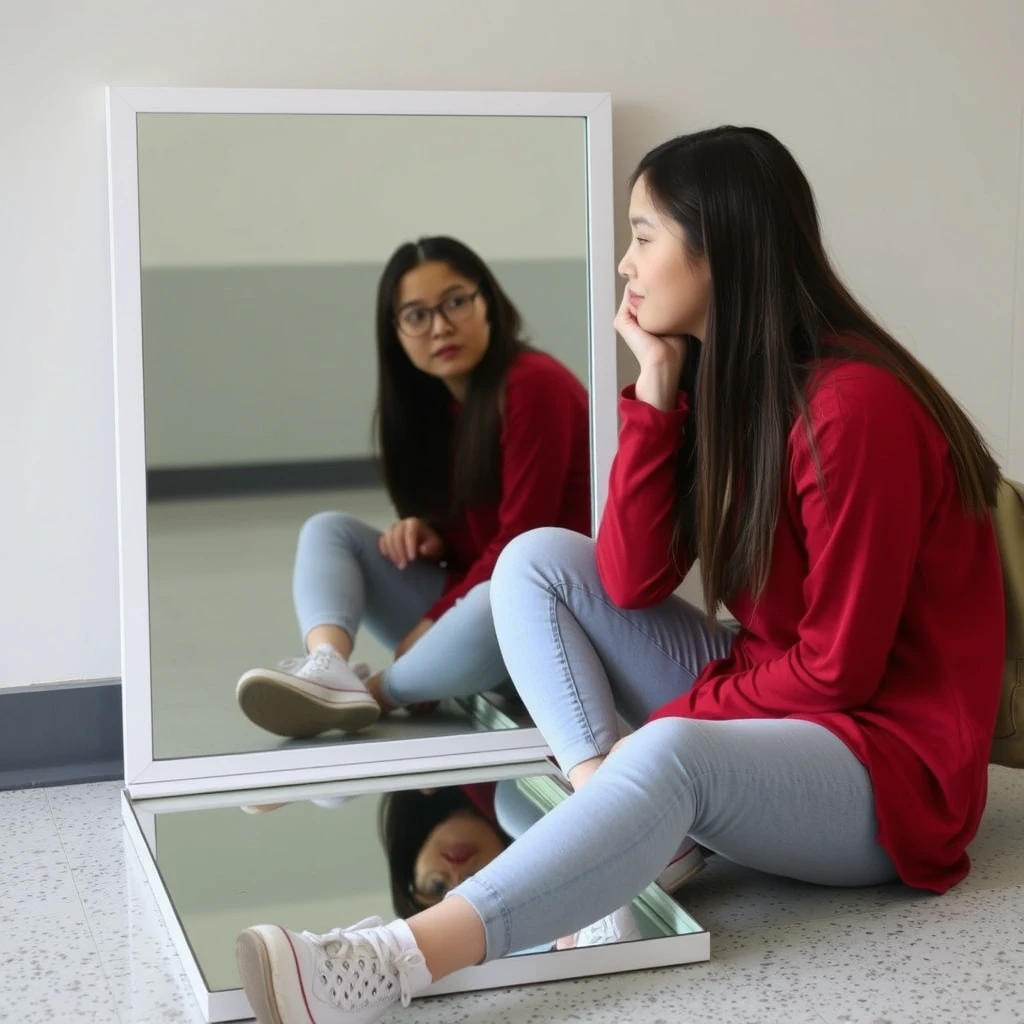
[(222, 864), (250, 230)]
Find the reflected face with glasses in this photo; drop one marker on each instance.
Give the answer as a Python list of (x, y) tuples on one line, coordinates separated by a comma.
[(441, 322), (434, 839), (455, 849)]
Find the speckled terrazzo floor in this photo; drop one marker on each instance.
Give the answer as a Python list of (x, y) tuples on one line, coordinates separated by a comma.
[(81, 940)]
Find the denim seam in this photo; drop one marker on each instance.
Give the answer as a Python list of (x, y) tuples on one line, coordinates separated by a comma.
[(504, 912), (581, 717), (620, 613)]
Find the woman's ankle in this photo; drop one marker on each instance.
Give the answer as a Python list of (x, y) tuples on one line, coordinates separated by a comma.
[(450, 935), (584, 771), (376, 688)]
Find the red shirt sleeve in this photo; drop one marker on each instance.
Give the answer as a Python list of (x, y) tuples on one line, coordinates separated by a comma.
[(537, 446), (862, 538), (634, 541)]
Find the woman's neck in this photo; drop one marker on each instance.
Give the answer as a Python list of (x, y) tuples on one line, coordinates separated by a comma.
[(459, 387)]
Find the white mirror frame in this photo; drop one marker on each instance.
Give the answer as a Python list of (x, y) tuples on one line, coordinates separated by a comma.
[(146, 776)]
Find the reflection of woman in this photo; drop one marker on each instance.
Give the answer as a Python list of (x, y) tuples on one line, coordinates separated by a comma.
[(481, 438), (837, 497), (434, 839)]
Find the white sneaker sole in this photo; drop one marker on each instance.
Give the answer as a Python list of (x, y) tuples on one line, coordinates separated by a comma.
[(298, 708), (268, 970), (681, 871)]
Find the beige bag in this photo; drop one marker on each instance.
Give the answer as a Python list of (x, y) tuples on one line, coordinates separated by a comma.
[(1008, 743)]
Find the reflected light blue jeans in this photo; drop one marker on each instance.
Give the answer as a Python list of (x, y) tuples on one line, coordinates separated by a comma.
[(341, 579)]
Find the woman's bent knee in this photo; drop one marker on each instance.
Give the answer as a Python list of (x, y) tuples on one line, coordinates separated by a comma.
[(534, 554), (333, 525)]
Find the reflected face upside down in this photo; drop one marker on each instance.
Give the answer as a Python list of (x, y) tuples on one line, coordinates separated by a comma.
[(455, 848)]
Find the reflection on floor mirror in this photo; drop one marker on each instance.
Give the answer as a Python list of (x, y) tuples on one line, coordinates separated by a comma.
[(313, 858)]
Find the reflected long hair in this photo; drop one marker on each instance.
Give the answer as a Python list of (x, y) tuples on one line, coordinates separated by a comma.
[(434, 463), (777, 309), (405, 819)]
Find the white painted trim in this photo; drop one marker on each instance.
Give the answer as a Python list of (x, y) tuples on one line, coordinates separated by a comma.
[(146, 776), (603, 358), (130, 433), (327, 763), (1014, 467), (137, 833), (164, 100)]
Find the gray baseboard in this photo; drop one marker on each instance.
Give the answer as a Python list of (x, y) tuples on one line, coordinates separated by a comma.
[(60, 735)]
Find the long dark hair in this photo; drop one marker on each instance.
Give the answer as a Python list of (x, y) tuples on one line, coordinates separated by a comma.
[(435, 465), (405, 820), (777, 309)]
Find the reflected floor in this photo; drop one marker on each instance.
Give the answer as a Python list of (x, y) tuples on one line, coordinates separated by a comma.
[(220, 604)]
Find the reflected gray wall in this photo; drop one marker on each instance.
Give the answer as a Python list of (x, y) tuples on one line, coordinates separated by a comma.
[(262, 364)]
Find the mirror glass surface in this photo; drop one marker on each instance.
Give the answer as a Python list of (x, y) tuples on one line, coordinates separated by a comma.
[(262, 240)]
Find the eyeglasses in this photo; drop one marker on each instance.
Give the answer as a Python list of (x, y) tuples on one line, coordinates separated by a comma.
[(419, 320)]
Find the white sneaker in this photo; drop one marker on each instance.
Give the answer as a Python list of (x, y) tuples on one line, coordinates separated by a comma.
[(348, 976), (618, 927), (307, 696), (685, 865)]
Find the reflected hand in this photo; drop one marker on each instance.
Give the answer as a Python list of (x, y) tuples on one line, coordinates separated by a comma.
[(410, 539)]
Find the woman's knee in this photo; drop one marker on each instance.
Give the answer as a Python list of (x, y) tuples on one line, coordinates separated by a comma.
[(668, 738), (539, 556), (332, 526)]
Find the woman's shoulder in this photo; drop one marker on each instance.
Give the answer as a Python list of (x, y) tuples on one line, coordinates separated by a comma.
[(849, 387), (855, 403)]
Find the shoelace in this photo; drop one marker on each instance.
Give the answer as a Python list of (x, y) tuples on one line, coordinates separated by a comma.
[(321, 663), (318, 660), (351, 943)]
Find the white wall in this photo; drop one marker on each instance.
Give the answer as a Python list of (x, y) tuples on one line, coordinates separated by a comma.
[(906, 116)]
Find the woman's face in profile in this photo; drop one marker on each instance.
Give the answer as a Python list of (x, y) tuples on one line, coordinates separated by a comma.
[(455, 849), (441, 321), (668, 287)]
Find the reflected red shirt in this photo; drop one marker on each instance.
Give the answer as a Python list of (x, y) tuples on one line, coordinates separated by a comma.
[(545, 473)]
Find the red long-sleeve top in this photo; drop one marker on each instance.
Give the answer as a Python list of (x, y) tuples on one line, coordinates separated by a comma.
[(883, 616), (545, 473)]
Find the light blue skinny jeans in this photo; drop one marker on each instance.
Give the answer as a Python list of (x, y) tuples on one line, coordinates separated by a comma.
[(779, 795), (342, 579)]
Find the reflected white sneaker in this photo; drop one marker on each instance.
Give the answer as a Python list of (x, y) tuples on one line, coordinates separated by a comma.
[(307, 696), (618, 927), (320, 801), (685, 865), (331, 801), (347, 976)]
